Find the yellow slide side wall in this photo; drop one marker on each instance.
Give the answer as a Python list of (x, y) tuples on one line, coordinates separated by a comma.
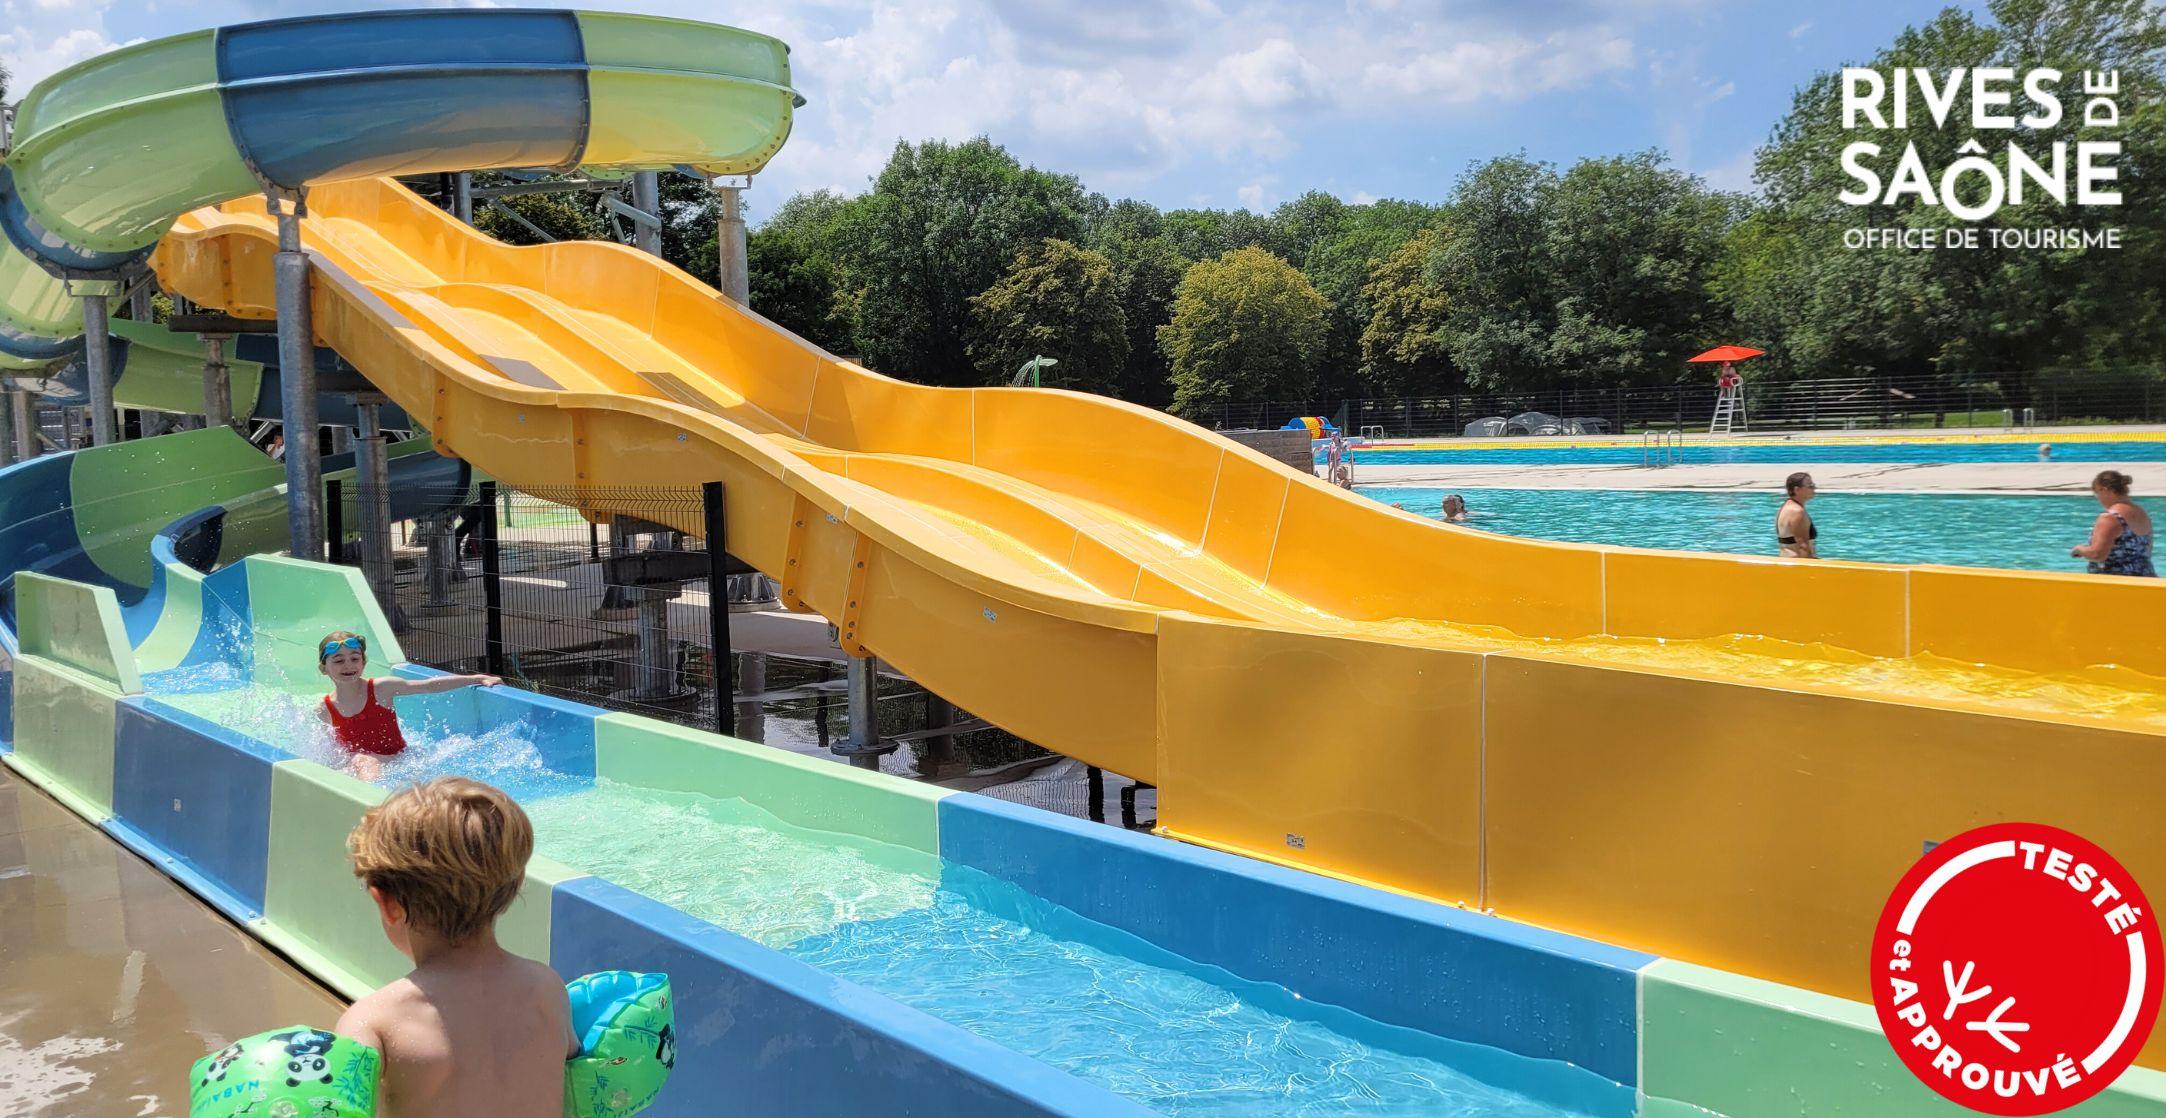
[(1749, 829)]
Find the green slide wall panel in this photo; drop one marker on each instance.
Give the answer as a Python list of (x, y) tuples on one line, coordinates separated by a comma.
[(180, 620), (126, 493), (817, 795), (77, 625), (292, 604), (64, 734), (315, 909), (165, 371), (1743, 1046)]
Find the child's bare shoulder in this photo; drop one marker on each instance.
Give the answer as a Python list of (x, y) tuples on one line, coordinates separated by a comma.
[(367, 1019), (543, 980)]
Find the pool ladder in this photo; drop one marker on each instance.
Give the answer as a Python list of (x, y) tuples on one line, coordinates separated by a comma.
[(1661, 448)]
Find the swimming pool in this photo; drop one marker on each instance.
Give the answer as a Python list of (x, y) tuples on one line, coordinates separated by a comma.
[(1804, 451), (1963, 529)]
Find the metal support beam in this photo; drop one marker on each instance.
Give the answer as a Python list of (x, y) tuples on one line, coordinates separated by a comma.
[(864, 748), (647, 198), (492, 583), (657, 666), (217, 383), (440, 563), (522, 222), (715, 512), (25, 413), (735, 281), (7, 427), (342, 440), (462, 197), (374, 469), (98, 361), (297, 380)]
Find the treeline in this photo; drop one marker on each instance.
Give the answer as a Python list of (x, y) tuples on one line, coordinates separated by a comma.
[(961, 263)]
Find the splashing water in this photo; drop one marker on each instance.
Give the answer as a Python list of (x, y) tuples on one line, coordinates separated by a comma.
[(504, 754)]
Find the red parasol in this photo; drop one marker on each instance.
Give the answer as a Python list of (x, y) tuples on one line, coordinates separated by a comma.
[(1726, 353)]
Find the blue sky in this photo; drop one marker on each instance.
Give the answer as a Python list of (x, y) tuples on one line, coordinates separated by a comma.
[(1216, 102)]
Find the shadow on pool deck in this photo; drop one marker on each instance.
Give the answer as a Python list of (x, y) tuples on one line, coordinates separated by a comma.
[(114, 979)]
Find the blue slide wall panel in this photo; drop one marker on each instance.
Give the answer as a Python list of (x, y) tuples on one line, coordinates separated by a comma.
[(761, 1033), (196, 798), (1392, 959)]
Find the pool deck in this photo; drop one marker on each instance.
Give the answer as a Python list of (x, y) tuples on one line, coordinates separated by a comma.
[(1969, 477), (113, 979), (1905, 477)]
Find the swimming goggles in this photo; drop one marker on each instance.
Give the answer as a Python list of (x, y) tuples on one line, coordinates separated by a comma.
[(332, 647)]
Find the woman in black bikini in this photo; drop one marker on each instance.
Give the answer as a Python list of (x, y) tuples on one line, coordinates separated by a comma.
[(1796, 536)]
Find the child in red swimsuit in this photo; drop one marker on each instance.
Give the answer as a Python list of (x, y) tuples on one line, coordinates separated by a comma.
[(358, 708)]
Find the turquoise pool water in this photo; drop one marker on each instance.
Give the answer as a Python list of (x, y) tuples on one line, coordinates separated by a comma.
[(1801, 451), (1007, 965), (1971, 530)]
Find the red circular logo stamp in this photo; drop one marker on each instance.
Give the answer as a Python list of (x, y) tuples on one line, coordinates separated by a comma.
[(2016, 970)]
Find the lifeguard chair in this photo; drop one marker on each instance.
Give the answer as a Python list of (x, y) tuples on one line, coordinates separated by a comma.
[(1729, 387)]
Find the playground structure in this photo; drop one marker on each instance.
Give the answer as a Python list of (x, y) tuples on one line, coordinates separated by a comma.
[(1176, 612)]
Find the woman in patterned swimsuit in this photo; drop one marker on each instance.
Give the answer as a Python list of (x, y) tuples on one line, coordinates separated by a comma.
[(2121, 539)]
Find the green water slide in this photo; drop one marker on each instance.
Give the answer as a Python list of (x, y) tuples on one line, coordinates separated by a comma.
[(107, 153)]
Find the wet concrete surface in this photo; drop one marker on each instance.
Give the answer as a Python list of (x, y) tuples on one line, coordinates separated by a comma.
[(113, 978)]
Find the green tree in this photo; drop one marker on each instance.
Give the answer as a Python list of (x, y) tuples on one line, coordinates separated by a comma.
[(1495, 271), (1246, 326), (1148, 271), (1203, 234), (795, 276), (941, 224), (1404, 347), (1630, 244), (1060, 301), (1339, 264)]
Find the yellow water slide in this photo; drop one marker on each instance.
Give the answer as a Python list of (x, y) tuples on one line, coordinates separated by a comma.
[(1575, 736)]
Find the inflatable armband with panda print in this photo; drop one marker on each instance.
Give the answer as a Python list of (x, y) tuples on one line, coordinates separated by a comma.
[(294, 1072), (627, 1043), (627, 1046)]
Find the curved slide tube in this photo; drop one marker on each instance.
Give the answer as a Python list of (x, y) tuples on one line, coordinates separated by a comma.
[(1564, 734), (157, 369), (145, 519), (285, 103)]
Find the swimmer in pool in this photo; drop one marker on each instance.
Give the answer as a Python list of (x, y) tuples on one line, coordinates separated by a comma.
[(358, 709), (2045, 452), (1455, 509), (1796, 536)]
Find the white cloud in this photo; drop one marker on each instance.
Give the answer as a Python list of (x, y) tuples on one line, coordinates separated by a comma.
[(43, 37), (1799, 31), (1123, 93), (1734, 173), (1720, 92), (1502, 69)]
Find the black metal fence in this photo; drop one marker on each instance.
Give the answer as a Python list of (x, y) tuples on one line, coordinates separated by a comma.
[(518, 584), (2054, 396)]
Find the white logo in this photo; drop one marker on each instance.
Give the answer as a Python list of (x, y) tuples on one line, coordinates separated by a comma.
[(1980, 181)]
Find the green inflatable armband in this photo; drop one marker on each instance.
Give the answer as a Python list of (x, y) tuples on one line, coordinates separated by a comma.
[(627, 1044), (294, 1072)]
